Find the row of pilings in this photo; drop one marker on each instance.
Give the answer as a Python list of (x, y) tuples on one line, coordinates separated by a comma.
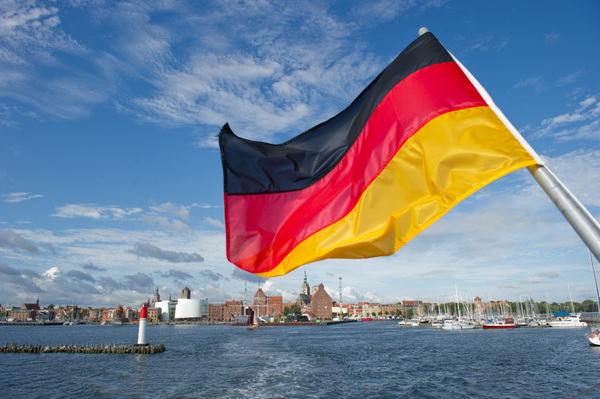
[(118, 349)]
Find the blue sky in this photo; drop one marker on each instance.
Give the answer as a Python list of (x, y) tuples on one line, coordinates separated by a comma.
[(110, 175)]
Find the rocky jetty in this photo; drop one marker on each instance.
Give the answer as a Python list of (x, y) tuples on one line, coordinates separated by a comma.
[(118, 349)]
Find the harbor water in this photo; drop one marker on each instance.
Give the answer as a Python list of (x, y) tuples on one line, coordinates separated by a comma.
[(354, 360)]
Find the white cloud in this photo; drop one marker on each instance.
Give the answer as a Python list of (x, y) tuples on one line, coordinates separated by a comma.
[(588, 109), (583, 123), (151, 251), (94, 211), (552, 38), (53, 273), (154, 218), (178, 225), (20, 197), (214, 223), (536, 82), (579, 170), (178, 211)]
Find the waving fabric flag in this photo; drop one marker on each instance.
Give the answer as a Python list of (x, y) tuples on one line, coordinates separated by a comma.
[(419, 139)]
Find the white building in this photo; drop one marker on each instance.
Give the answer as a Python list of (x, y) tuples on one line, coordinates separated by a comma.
[(167, 310), (369, 308), (335, 310), (193, 309)]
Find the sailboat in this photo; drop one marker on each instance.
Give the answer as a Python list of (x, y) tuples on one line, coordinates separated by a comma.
[(594, 335), (460, 323), (253, 315), (252, 319)]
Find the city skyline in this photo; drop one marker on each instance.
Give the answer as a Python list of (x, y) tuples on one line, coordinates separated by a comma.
[(111, 182), (286, 301)]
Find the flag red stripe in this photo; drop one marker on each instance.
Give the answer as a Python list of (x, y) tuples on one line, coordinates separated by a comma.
[(254, 220)]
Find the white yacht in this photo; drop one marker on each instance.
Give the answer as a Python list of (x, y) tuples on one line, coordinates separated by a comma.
[(568, 321)]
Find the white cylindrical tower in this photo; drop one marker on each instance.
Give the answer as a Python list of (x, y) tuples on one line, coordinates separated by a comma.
[(143, 323)]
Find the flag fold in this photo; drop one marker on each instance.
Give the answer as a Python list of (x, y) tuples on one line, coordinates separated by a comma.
[(419, 139)]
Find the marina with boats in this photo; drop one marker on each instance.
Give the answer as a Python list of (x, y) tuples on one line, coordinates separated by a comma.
[(559, 320), (466, 316)]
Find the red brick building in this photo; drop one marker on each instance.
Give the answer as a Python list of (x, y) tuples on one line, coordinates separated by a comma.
[(232, 309), (268, 305), (215, 312), (321, 303), (274, 305)]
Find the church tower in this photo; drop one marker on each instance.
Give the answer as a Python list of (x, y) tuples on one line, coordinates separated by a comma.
[(303, 299), (156, 298), (305, 288)]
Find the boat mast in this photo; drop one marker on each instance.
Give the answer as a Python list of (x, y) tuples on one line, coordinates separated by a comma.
[(572, 306), (457, 304), (595, 282), (341, 308)]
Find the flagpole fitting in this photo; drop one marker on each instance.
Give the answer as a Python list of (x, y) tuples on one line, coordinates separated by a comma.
[(422, 31)]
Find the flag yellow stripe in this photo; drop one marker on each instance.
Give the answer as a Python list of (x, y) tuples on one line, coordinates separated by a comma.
[(450, 158)]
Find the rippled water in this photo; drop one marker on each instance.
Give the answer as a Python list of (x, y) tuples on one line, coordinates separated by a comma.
[(355, 360)]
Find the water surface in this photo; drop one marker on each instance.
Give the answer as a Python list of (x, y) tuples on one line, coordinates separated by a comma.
[(355, 360)]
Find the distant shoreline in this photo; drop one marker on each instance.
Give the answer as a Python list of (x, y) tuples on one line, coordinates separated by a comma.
[(60, 323)]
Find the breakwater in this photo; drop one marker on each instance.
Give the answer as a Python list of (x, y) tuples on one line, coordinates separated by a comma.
[(116, 349)]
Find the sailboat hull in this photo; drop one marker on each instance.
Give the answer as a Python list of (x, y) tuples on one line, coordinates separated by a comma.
[(497, 326), (594, 339)]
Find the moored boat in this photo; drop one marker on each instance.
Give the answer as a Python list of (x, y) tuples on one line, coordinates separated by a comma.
[(252, 319), (568, 321), (451, 324), (506, 323), (594, 337)]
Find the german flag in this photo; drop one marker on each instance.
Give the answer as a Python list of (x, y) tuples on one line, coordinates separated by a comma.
[(419, 139)]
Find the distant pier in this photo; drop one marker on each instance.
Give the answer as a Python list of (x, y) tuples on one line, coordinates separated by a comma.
[(299, 323)]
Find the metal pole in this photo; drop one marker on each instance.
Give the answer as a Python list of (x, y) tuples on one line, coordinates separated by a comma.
[(595, 282), (341, 308), (580, 219)]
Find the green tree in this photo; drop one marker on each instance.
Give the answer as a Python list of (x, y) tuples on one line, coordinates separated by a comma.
[(589, 306), (293, 310)]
